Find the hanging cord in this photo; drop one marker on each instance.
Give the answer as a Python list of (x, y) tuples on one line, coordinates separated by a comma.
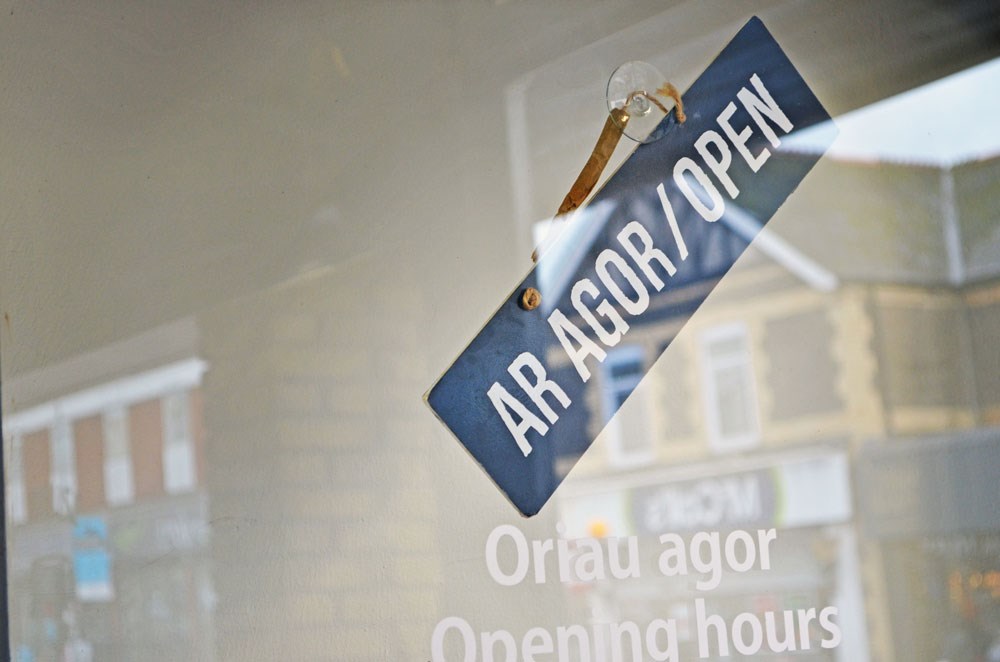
[(610, 136)]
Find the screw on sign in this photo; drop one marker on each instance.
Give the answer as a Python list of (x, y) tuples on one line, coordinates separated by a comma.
[(530, 298)]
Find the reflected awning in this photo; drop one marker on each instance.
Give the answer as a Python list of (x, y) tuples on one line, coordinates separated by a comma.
[(931, 486)]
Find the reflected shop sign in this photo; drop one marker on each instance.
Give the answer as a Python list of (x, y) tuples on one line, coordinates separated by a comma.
[(679, 212), (162, 529), (139, 534), (745, 500), (791, 493), (91, 560)]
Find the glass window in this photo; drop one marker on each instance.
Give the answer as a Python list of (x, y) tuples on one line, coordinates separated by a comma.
[(17, 507), (730, 397), (119, 486), (63, 476), (629, 438), (240, 242), (178, 446)]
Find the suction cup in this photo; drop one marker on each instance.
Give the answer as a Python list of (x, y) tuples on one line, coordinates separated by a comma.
[(639, 89)]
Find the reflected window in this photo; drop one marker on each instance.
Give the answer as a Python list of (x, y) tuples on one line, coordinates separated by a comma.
[(178, 446), (63, 476), (730, 396), (119, 485), (630, 441), (17, 507)]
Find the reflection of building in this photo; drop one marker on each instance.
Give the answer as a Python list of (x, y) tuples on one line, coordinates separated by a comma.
[(105, 493), (334, 531), (803, 495), (850, 368), (706, 444), (929, 508)]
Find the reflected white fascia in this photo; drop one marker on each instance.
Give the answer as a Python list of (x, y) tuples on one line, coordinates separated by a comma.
[(178, 376)]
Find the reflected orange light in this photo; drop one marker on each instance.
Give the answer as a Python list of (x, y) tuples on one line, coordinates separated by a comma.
[(955, 588), (597, 528)]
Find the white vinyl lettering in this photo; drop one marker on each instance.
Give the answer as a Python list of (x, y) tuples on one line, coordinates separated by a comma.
[(493, 555), (463, 628)]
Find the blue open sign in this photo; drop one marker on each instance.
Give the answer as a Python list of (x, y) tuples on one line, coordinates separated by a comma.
[(650, 246)]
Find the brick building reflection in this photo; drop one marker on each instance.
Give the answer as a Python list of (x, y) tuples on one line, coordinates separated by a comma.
[(840, 385), (107, 507)]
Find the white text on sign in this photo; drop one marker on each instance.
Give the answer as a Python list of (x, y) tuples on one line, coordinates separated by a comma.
[(600, 314)]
